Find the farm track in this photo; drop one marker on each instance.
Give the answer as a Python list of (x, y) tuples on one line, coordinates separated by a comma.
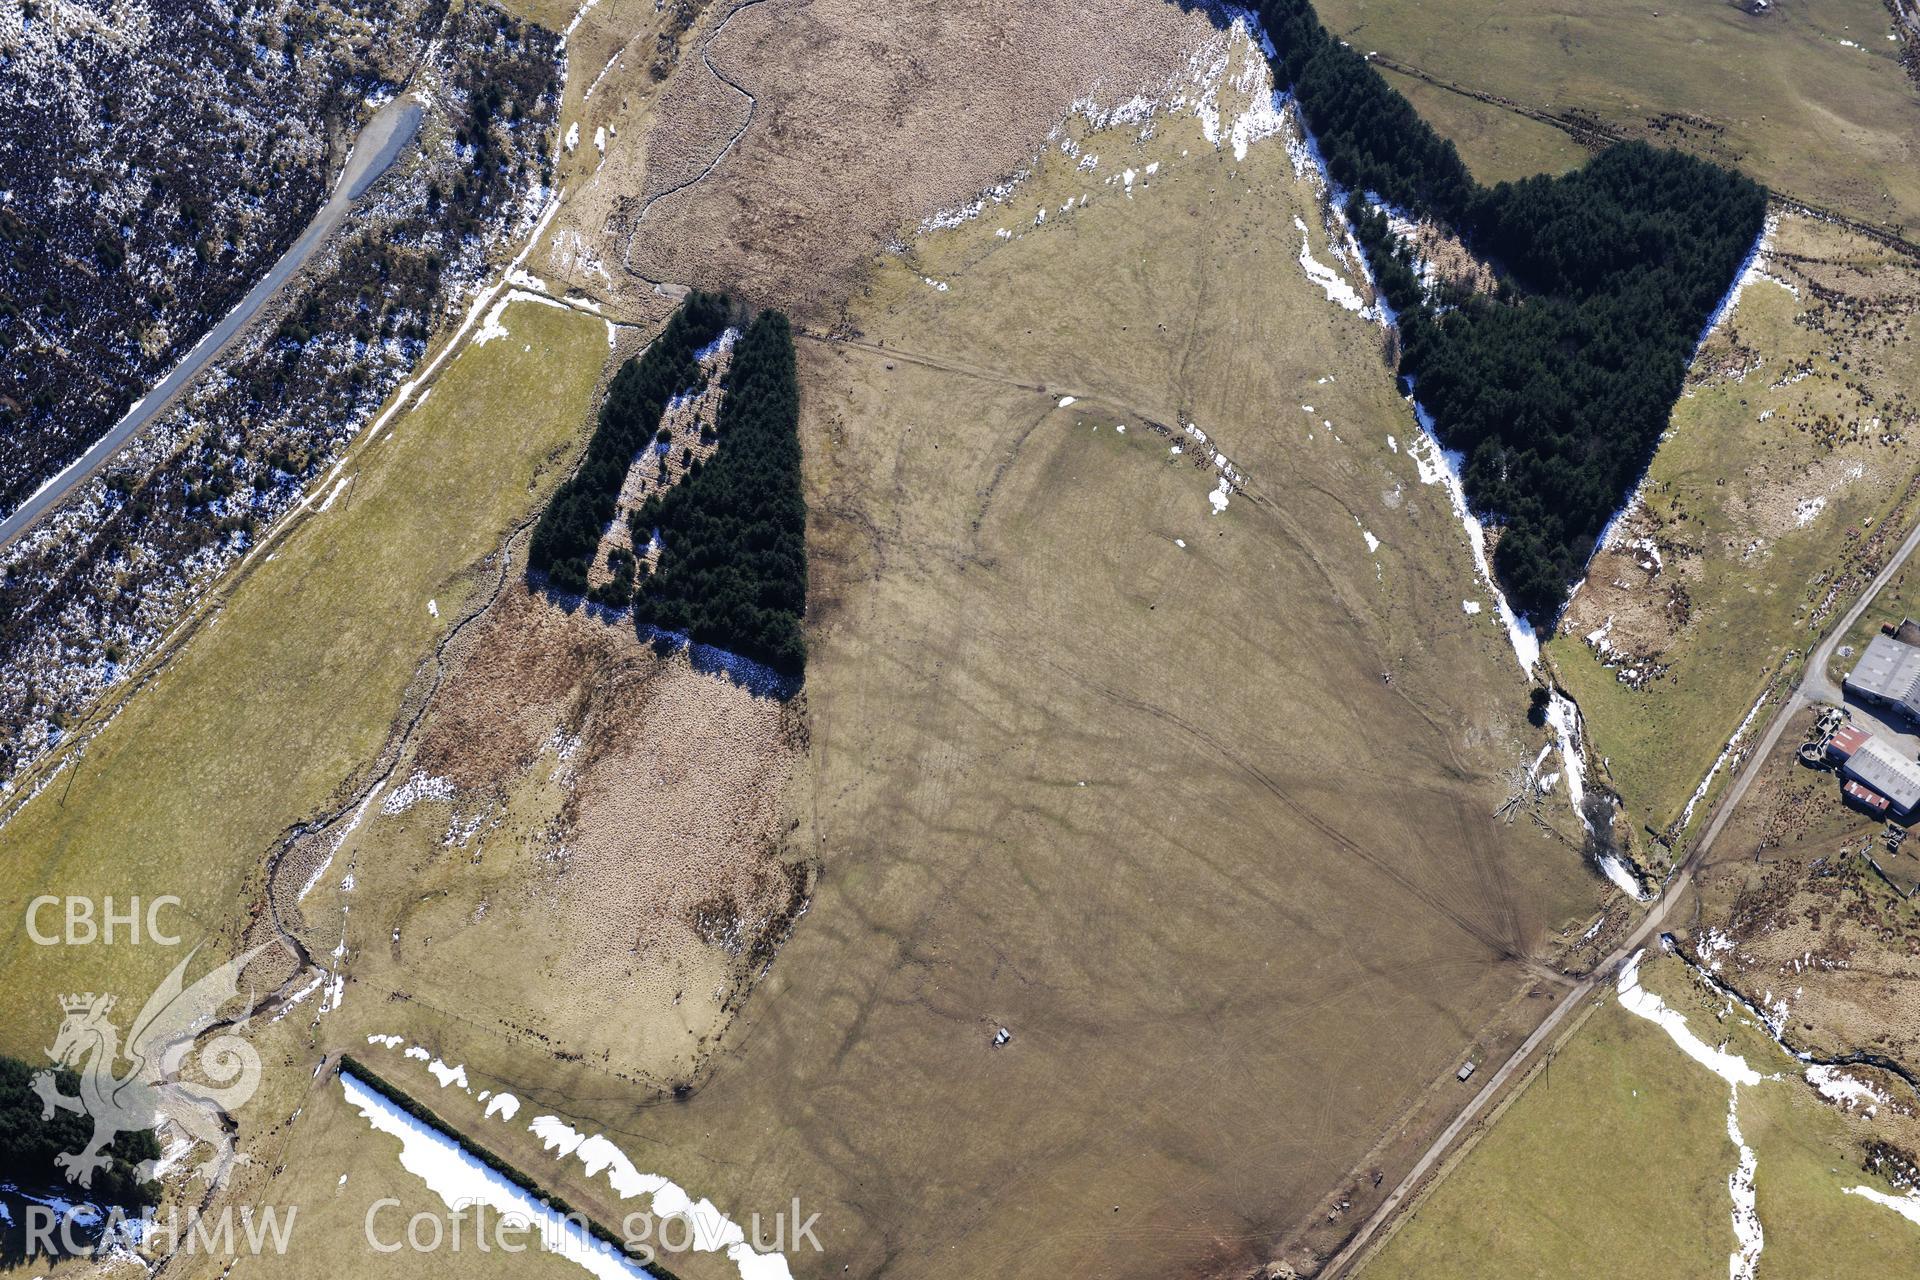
[(1814, 687)]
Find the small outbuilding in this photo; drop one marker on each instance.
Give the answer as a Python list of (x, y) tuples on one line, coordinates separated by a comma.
[(1861, 798)]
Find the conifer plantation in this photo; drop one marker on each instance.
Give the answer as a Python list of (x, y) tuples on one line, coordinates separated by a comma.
[(1557, 386), (569, 530), (733, 562), (732, 567)]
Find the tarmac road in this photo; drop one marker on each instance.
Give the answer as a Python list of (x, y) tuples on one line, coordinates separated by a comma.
[(374, 151), (1814, 687)]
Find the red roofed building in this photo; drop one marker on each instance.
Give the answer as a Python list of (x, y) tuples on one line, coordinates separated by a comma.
[(1845, 741), (1872, 801)]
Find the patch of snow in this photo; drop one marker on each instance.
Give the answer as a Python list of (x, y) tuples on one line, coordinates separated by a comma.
[(1336, 288), (1539, 760), (1806, 509), (713, 1231), (1436, 466), (1470, 606), (578, 14), (298, 996), (1622, 879), (1844, 1091), (433, 608), (1637, 1000), (338, 840), (1564, 718), (79, 1214), (1065, 401), (447, 1075), (1746, 1215), (1907, 1206), (462, 1181), (1752, 268), (1262, 119), (491, 328), (504, 1105), (415, 789), (1726, 752)]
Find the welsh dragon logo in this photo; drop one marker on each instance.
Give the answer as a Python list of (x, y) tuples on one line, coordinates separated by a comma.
[(158, 1045)]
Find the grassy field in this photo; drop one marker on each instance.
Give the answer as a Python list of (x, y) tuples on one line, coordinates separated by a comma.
[(1093, 764), (1612, 1163), (1777, 93), (334, 1170), (1615, 1162), (1499, 145), (1781, 486), (612, 820), (1808, 1158), (290, 687)]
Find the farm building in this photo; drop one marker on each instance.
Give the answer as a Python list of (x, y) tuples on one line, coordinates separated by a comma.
[(1845, 741), (1857, 795), (1888, 675), (1883, 770)]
